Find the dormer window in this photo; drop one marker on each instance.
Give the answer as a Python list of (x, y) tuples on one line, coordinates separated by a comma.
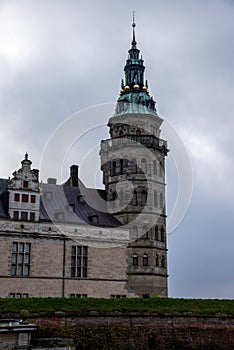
[(25, 184), (80, 198), (17, 197)]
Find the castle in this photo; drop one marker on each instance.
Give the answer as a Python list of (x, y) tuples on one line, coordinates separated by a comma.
[(56, 244)]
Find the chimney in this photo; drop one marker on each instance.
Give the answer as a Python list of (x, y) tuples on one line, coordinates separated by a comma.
[(74, 175)]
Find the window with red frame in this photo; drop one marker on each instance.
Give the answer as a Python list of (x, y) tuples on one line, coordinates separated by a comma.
[(17, 197), (33, 198), (24, 198), (25, 184)]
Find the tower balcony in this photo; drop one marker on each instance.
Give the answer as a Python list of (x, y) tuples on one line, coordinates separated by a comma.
[(132, 140)]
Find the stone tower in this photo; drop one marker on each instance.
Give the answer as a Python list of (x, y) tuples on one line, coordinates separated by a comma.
[(133, 165)]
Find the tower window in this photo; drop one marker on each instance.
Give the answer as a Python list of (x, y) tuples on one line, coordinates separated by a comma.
[(162, 234), (79, 261), (155, 167), (143, 198), (134, 198), (161, 200), (145, 232), (163, 263), (156, 233), (145, 260), (17, 197), (20, 259), (155, 198), (157, 261), (25, 198), (134, 165), (143, 165), (114, 168), (121, 166), (160, 168), (135, 232), (135, 260)]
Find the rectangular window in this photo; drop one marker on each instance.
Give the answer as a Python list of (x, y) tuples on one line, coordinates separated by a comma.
[(32, 216), (24, 215), (25, 198), (33, 198), (16, 215), (25, 184), (78, 295), (18, 295), (20, 259), (79, 261), (17, 197)]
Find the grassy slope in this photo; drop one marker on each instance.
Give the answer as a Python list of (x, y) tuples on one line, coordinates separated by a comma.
[(160, 305)]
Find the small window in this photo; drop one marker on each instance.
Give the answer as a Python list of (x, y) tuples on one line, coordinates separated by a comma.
[(134, 166), (155, 167), (17, 197), (135, 232), (155, 199), (145, 232), (143, 165), (25, 184), (143, 198), (134, 198), (94, 219), (156, 261), (32, 216), (163, 263), (121, 166), (162, 234), (161, 168), (135, 260), (156, 233), (114, 167), (138, 132), (25, 198), (161, 201), (33, 198), (15, 215), (145, 260), (24, 215)]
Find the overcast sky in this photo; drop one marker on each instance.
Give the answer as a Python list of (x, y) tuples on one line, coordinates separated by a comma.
[(58, 57)]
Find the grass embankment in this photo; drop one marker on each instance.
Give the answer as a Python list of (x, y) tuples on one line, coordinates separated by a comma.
[(125, 305)]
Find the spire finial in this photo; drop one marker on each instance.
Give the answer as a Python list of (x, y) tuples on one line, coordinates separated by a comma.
[(26, 156), (133, 29)]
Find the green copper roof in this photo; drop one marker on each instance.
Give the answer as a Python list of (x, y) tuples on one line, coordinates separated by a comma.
[(134, 94)]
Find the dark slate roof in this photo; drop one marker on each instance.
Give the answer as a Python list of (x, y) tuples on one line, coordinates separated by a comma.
[(3, 198), (76, 205)]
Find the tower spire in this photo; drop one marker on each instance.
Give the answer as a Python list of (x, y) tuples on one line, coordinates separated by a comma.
[(133, 30)]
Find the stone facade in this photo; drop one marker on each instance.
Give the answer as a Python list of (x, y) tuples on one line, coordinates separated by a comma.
[(54, 243)]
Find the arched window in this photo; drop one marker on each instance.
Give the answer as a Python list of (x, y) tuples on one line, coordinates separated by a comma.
[(134, 165), (143, 165), (145, 232), (138, 132), (145, 260), (163, 262), (161, 201), (114, 167), (155, 167), (156, 233), (161, 168), (157, 261), (121, 166), (114, 196), (155, 199), (143, 198), (121, 198), (134, 198), (135, 232), (135, 260), (162, 234)]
